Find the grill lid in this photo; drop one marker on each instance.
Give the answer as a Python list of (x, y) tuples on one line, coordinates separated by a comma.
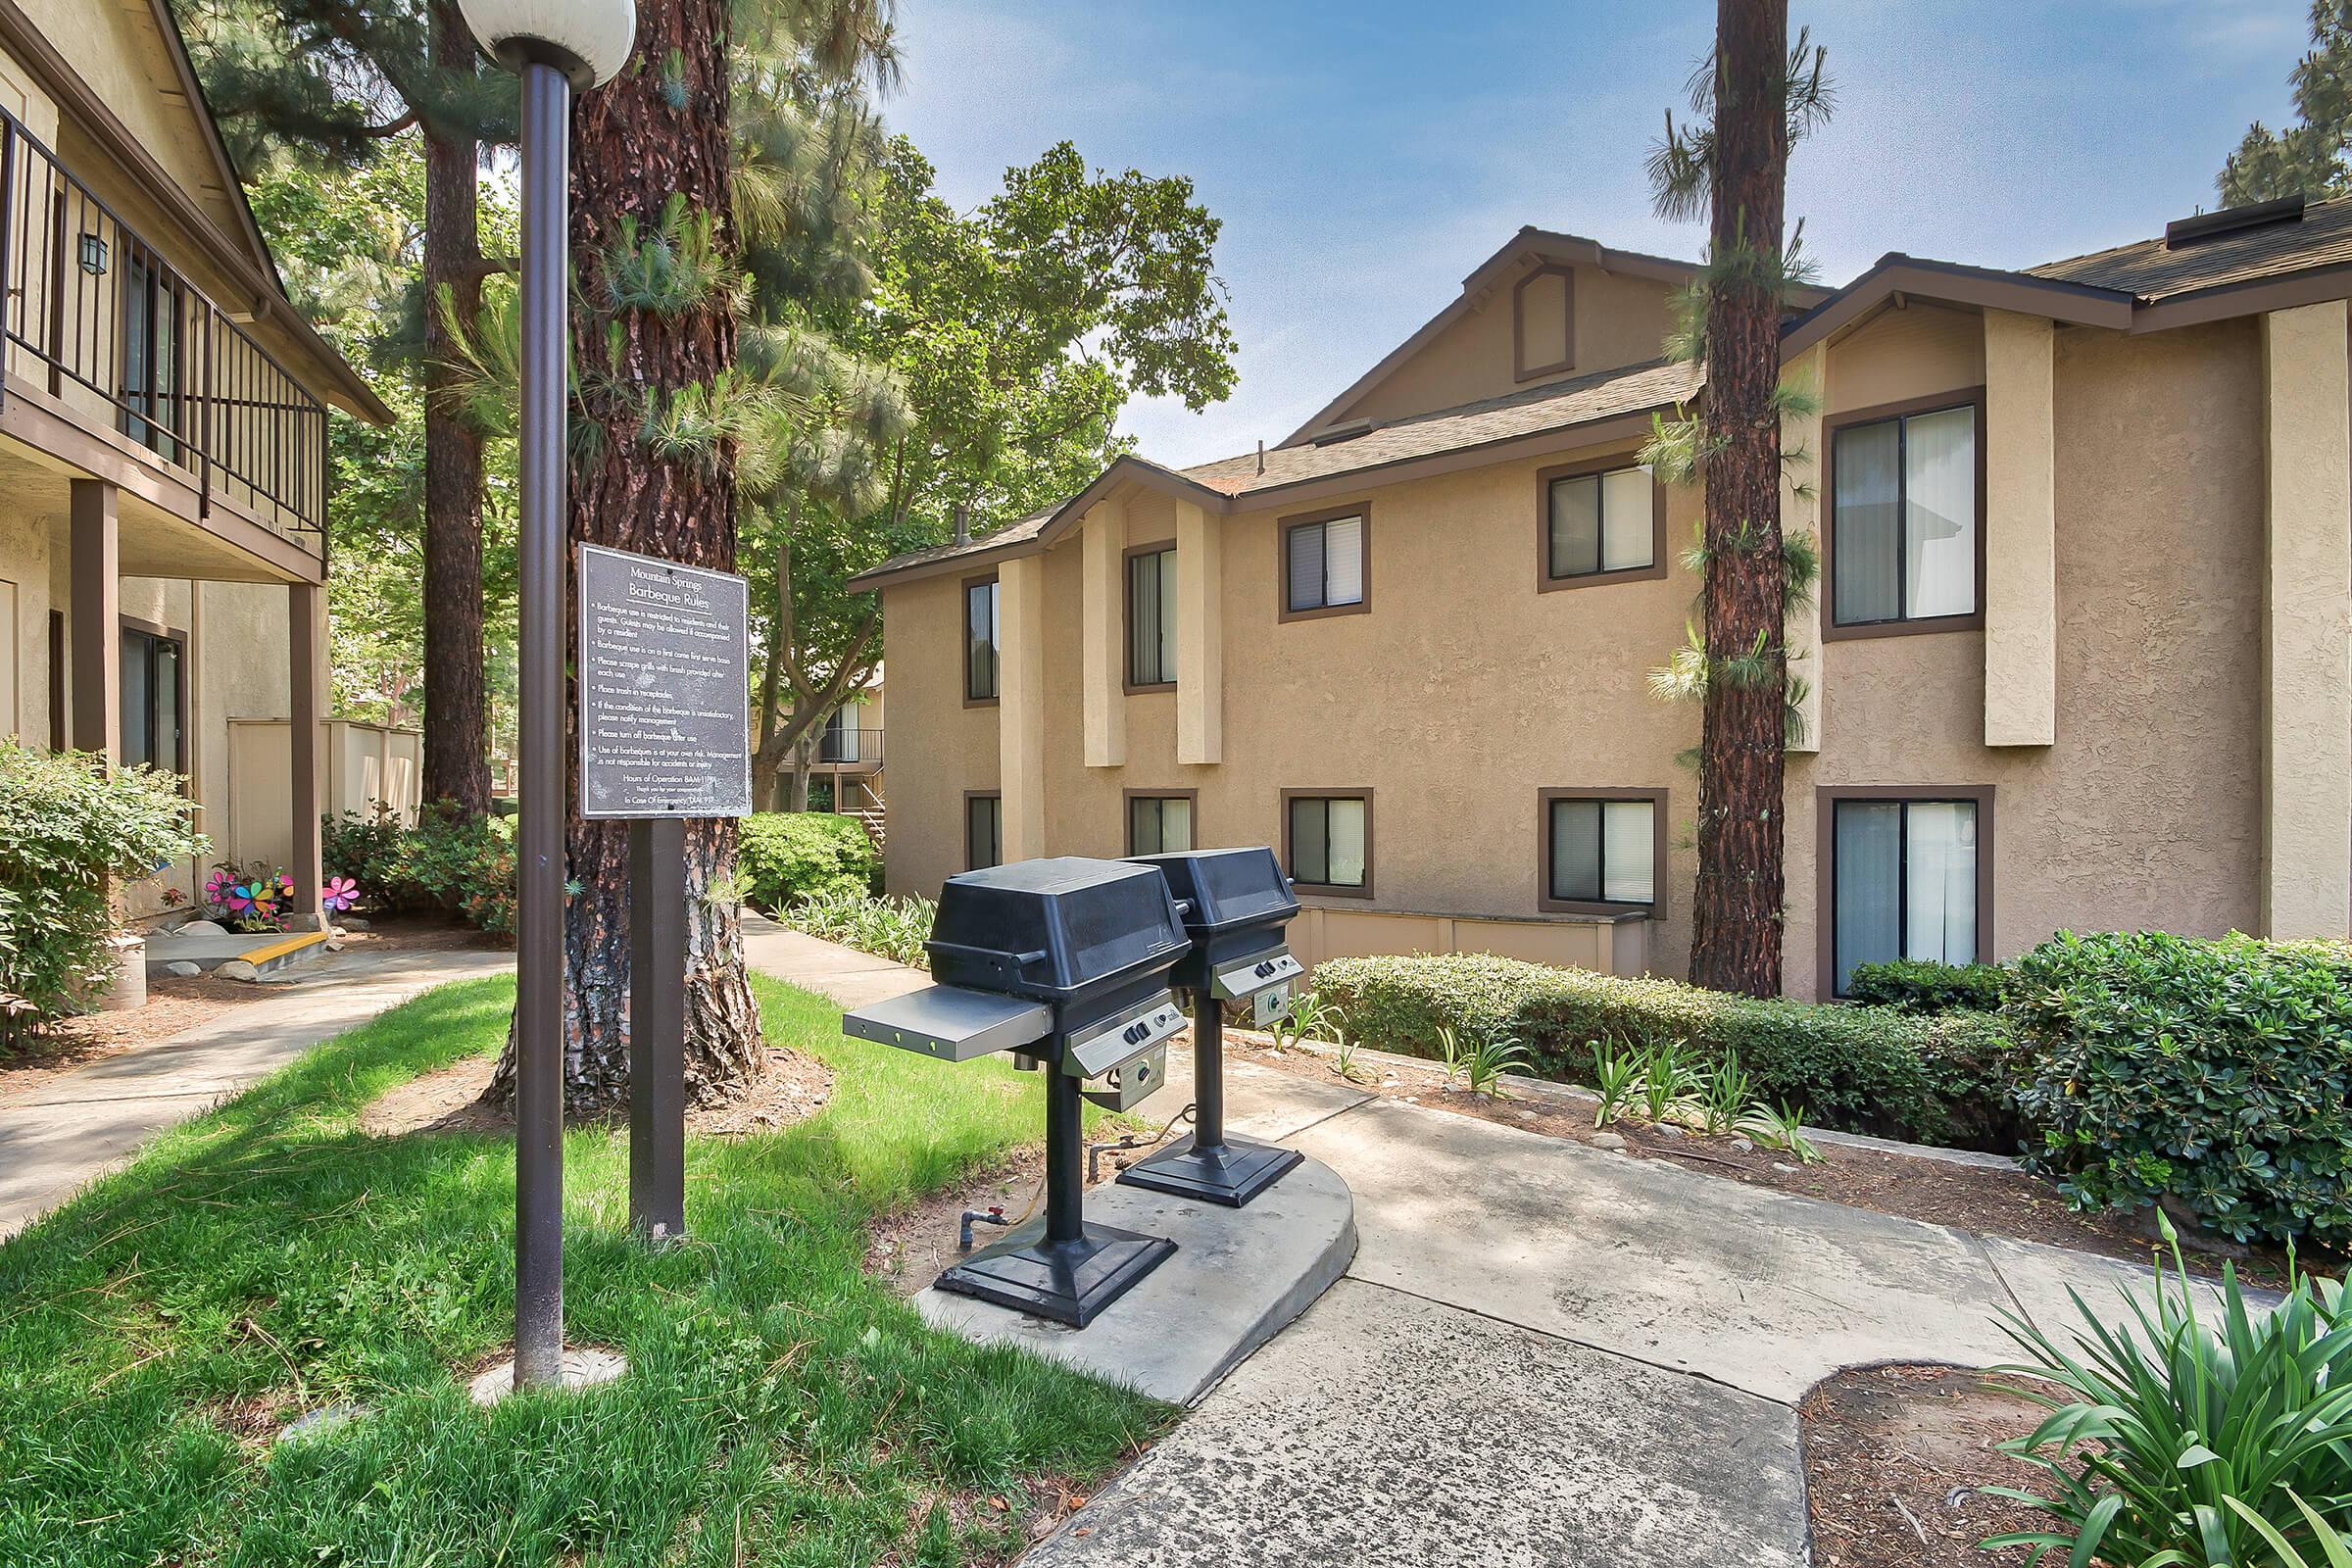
[(1226, 889), (1053, 928)]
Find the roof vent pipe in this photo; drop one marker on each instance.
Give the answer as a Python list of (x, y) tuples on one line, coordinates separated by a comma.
[(963, 525), (1261, 454)]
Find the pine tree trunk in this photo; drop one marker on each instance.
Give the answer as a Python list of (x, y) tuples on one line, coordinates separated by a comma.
[(456, 732), (632, 150), (1736, 942)]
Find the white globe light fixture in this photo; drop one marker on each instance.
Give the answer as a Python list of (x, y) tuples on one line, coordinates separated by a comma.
[(557, 47), (587, 41)]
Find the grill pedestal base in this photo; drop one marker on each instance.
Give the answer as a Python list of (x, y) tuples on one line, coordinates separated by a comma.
[(1067, 1281), (1231, 1173)]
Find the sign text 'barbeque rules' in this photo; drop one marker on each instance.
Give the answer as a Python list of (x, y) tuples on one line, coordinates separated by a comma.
[(664, 674)]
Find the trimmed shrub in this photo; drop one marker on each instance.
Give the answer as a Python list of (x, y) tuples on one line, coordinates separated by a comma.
[(1921, 985), (1864, 1069), (450, 862), (785, 856), (67, 829), (2216, 1074)]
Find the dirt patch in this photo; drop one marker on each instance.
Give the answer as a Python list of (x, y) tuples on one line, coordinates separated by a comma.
[(1028, 1510), (908, 1247), (1896, 1458), (450, 1100), (254, 1419), (1994, 1200)]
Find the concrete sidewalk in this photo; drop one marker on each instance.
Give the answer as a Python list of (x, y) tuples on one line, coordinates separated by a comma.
[(54, 1138), (1544, 1352)]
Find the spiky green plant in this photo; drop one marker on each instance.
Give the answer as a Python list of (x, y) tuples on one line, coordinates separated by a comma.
[(2174, 1443)]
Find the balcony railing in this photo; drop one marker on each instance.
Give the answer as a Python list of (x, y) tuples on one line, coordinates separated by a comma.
[(120, 335), (850, 748)]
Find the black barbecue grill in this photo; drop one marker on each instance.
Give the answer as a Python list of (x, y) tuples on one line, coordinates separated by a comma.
[(1235, 906), (1065, 963)]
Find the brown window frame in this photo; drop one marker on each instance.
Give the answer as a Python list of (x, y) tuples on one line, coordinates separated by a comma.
[(973, 862), (1826, 798), (1127, 806), (1521, 371), (1127, 562), (1336, 792), (1545, 582), (156, 632), (1879, 414), (963, 640), (1362, 511), (1656, 908)]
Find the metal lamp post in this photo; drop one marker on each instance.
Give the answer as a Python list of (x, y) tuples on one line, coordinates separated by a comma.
[(556, 46)]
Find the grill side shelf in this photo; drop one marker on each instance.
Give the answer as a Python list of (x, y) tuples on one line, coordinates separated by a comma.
[(950, 1022)]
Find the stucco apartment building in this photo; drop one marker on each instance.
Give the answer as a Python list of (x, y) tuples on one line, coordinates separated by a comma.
[(2078, 657), (163, 444)]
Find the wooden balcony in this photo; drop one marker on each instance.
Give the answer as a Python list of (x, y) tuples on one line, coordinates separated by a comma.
[(118, 368)]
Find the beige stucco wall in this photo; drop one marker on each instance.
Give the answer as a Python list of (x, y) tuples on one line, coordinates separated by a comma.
[(1464, 691), (2144, 811), (1619, 321)]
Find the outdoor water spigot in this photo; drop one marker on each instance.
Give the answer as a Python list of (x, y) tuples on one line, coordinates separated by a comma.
[(985, 1216)]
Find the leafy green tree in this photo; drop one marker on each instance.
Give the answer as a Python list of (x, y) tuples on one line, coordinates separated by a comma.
[(985, 372), (1756, 95), (335, 85), (2307, 157)]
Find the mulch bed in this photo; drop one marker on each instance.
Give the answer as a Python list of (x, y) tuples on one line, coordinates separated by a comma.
[(1989, 1200), (451, 1100), (1895, 1460)]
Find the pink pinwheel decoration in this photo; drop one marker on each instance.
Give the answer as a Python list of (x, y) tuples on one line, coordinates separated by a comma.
[(216, 885), (340, 894)]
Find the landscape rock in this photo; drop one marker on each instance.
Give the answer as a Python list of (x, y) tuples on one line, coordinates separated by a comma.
[(183, 968), (237, 969), (202, 928), (1607, 1141), (352, 922), (1667, 1129), (1743, 1146)]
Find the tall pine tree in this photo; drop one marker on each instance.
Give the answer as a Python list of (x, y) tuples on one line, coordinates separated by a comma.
[(1757, 96), (2307, 157)]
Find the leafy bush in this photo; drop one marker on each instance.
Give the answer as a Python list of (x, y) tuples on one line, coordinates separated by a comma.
[(67, 829), (450, 862), (2191, 1442), (783, 856), (1920, 985), (2215, 1073), (1867, 1069), (893, 928), (360, 847)]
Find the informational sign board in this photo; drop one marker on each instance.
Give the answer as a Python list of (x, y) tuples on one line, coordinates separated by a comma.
[(664, 671)]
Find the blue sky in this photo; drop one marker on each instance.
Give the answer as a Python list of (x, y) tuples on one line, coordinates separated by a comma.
[(1365, 157)]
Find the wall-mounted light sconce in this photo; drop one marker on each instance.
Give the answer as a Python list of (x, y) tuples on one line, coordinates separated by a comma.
[(93, 255)]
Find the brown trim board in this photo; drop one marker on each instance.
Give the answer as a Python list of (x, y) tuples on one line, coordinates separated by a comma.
[(1831, 631), (1824, 863), (1521, 371)]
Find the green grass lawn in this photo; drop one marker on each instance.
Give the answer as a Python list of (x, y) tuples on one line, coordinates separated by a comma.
[(781, 1408)]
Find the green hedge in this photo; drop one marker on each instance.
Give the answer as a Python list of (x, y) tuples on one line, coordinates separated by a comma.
[(2214, 1073), (1865, 1069), (1920, 985), (784, 857)]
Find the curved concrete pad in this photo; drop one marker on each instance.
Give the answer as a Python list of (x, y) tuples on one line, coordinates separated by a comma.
[(1237, 1276)]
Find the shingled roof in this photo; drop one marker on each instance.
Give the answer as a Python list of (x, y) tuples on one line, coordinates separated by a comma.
[(1533, 412), (2155, 269)]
